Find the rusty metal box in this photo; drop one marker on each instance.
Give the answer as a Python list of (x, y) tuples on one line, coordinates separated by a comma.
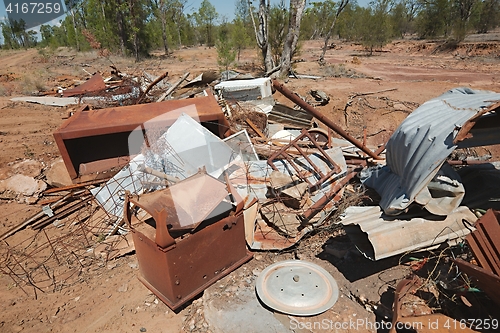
[(94, 141), (177, 268)]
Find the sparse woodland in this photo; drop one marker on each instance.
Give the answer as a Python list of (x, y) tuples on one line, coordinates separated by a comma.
[(136, 27)]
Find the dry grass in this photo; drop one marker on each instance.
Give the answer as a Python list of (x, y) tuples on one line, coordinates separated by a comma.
[(341, 70), (31, 84)]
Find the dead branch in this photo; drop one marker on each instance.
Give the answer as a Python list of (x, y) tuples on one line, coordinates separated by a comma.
[(373, 134), (272, 71), (348, 104), (372, 93), (396, 110), (171, 89), (154, 83)]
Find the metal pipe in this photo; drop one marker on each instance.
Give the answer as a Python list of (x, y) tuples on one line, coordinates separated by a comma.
[(297, 100), (159, 174)]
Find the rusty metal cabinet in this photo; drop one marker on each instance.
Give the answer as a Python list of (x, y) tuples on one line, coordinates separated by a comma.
[(177, 269)]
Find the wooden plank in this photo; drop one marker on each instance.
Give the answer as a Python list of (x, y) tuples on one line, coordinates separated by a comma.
[(255, 128)]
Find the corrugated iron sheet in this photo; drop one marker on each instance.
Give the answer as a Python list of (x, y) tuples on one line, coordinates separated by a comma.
[(379, 236), (285, 114), (419, 146)]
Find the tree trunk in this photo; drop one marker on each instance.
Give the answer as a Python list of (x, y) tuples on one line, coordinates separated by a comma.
[(76, 30), (292, 38), (121, 29), (135, 34), (164, 31), (176, 21), (262, 33), (103, 18), (342, 5)]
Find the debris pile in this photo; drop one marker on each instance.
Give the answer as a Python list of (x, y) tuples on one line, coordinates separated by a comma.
[(197, 185)]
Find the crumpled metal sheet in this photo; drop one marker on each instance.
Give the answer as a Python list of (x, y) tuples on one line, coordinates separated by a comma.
[(94, 84), (419, 146), (380, 236)]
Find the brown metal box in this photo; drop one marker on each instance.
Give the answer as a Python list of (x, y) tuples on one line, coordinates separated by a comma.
[(177, 269), (93, 141)]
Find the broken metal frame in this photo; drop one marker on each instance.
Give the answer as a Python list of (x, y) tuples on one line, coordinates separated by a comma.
[(282, 153), (335, 194)]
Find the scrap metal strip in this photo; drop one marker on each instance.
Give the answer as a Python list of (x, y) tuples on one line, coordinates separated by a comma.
[(485, 243)]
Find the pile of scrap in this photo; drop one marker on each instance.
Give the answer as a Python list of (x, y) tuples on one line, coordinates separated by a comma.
[(119, 89), (189, 161), (428, 198), (231, 167)]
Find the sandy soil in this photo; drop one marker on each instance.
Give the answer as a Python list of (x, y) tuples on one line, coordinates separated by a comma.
[(106, 296)]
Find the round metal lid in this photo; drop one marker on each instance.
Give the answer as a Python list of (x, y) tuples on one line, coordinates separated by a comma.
[(297, 287)]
